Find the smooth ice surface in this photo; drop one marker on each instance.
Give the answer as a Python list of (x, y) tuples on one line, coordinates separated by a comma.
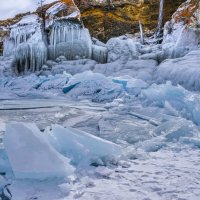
[(31, 156)]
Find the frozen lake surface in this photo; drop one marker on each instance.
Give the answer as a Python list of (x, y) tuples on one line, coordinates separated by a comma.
[(160, 163)]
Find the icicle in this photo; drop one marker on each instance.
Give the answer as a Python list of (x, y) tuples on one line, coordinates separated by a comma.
[(141, 33), (160, 18), (26, 44), (29, 57), (70, 40), (99, 53)]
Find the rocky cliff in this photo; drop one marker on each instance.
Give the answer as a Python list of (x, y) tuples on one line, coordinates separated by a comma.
[(104, 22), (182, 32), (49, 13), (123, 16)]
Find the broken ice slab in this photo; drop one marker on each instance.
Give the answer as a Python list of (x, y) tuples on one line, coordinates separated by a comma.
[(31, 156), (82, 147)]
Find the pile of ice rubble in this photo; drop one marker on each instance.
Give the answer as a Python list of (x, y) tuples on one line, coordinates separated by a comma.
[(54, 153)]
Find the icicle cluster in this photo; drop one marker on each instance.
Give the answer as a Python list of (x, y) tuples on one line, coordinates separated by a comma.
[(99, 53), (27, 45), (29, 57), (30, 48), (69, 39)]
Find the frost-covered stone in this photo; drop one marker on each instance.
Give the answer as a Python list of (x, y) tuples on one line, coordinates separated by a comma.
[(122, 48), (181, 34), (73, 67), (61, 9)]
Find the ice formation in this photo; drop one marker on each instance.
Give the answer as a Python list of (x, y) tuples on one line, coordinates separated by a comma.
[(160, 18), (122, 48), (69, 39), (178, 98), (81, 147), (30, 45), (181, 34), (31, 156), (141, 32), (99, 53), (183, 71), (27, 44), (94, 86)]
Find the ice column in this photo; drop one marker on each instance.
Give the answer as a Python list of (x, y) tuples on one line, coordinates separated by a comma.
[(141, 33), (160, 18)]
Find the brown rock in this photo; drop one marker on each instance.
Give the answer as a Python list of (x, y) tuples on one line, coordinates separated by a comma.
[(187, 12), (123, 18), (120, 19)]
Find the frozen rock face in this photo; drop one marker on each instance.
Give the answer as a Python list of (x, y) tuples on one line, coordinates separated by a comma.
[(69, 39), (182, 33), (2, 35), (32, 40), (123, 49), (65, 9), (27, 44)]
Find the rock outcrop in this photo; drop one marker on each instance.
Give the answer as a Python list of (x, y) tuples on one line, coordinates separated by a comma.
[(123, 16), (182, 32)]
